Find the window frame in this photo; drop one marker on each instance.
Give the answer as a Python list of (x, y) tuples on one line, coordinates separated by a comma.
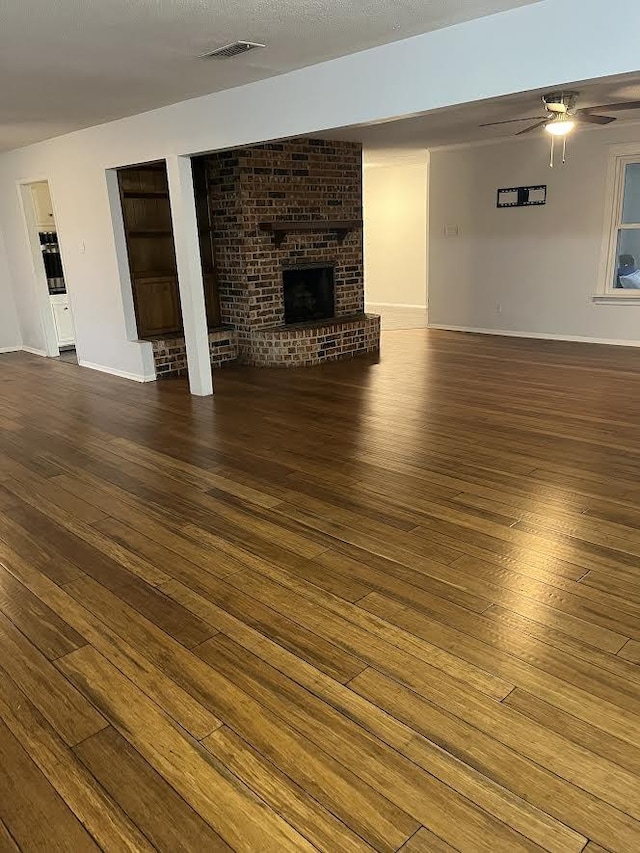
[(613, 225)]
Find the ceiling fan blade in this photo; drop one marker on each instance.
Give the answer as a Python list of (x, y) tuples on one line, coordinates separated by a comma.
[(509, 121), (533, 127), (612, 108), (592, 119)]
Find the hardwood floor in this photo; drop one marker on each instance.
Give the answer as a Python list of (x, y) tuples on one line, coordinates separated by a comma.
[(363, 606)]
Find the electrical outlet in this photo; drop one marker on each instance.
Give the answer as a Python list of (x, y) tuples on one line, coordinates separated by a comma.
[(498, 307)]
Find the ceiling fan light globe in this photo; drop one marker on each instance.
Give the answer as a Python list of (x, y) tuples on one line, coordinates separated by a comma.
[(563, 125)]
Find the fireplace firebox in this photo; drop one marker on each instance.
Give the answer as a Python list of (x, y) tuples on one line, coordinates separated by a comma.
[(308, 293)]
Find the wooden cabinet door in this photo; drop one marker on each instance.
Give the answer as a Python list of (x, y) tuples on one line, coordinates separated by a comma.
[(63, 320), (43, 206), (157, 305)]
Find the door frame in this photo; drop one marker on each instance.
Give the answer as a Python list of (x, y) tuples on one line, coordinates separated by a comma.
[(41, 288)]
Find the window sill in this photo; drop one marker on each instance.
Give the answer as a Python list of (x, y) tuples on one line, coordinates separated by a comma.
[(632, 297)]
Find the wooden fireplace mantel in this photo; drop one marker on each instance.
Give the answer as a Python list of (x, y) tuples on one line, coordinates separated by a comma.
[(341, 227)]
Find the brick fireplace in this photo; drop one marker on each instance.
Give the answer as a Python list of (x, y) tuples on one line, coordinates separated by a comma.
[(287, 220)]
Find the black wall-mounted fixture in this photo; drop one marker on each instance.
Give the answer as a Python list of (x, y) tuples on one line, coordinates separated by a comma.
[(522, 196)]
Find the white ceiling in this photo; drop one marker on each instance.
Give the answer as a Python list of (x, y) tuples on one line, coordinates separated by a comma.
[(67, 64), (461, 124)]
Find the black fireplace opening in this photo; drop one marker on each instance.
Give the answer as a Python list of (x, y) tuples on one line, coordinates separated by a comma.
[(308, 293)]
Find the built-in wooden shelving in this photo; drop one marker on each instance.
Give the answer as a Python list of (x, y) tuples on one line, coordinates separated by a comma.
[(144, 193), (341, 227)]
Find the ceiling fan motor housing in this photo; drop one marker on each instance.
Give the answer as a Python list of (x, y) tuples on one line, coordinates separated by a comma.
[(560, 102)]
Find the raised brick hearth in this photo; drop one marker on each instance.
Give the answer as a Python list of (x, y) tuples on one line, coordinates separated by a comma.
[(313, 343), (300, 181)]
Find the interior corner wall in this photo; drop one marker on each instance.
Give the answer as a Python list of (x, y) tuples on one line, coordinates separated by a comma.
[(530, 270), (10, 336), (395, 231)]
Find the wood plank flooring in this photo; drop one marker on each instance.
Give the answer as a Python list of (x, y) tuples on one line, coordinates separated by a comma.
[(366, 606)]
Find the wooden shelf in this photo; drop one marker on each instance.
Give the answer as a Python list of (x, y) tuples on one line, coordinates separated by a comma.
[(144, 274), (150, 194), (341, 227)]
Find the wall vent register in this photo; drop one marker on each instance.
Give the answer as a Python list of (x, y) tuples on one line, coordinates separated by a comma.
[(236, 48)]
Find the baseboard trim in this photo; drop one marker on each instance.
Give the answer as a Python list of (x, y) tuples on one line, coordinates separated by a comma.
[(396, 305), (542, 336), (123, 374), (34, 351), (10, 349)]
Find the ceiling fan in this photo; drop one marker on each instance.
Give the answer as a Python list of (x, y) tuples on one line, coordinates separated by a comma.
[(562, 117)]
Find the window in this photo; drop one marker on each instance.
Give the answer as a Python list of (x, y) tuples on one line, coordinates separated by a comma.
[(623, 270)]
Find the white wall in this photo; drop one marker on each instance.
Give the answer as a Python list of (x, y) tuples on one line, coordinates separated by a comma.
[(10, 337), (532, 270), (395, 230), (450, 66)]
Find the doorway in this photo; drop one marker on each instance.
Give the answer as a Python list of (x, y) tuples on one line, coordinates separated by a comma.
[(56, 312), (395, 202)]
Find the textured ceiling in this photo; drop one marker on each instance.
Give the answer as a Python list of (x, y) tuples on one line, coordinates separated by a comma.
[(67, 64), (461, 124)]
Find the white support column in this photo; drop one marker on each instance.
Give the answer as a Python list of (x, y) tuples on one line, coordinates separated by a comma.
[(194, 312)]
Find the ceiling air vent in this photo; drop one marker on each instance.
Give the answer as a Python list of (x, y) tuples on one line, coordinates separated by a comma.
[(231, 50)]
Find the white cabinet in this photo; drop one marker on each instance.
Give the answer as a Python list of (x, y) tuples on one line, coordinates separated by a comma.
[(43, 206), (63, 318)]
